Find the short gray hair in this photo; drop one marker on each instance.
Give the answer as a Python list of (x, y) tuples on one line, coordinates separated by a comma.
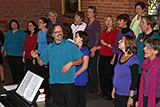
[(52, 12)]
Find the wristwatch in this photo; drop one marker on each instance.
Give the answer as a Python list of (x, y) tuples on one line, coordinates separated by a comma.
[(130, 97)]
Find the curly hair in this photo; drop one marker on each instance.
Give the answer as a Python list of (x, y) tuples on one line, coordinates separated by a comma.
[(49, 36)]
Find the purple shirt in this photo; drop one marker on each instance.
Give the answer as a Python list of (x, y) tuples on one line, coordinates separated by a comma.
[(94, 33), (59, 22), (82, 79), (147, 82), (122, 76), (127, 31)]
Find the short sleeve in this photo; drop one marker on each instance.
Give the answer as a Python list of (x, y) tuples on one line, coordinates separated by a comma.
[(45, 54), (85, 51), (76, 53), (134, 60)]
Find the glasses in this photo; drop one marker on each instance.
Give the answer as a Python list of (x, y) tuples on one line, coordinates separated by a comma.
[(57, 32), (40, 22), (30, 25)]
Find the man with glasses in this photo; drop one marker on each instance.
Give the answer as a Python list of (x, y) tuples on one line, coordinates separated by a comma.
[(62, 56)]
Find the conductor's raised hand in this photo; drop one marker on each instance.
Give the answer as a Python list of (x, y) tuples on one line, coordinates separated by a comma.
[(34, 53)]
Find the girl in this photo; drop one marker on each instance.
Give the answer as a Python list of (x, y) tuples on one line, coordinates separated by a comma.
[(81, 76)]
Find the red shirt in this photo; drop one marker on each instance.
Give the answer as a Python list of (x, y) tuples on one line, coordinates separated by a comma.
[(29, 45), (109, 38)]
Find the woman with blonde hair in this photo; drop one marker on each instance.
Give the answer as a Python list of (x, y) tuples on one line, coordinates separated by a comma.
[(106, 61)]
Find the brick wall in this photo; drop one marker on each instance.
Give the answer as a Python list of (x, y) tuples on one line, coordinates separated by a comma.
[(25, 10)]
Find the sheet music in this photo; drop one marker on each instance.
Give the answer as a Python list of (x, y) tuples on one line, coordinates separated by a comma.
[(29, 86), (1, 105), (10, 87)]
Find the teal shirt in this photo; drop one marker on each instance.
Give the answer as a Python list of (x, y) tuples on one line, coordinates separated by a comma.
[(58, 56), (42, 41), (14, 42), (140, 52)]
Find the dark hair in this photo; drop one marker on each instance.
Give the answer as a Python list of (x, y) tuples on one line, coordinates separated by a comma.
[(49, 36), (13, 20), (67, 31), (94, 10), (130, 44), (80, 14), (154, 44), (35, 29), (85, 37), (142, 4), (125, 17), (44, 21), (150, 20)]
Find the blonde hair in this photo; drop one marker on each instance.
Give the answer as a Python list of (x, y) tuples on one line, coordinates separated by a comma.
[(52, 12), (113, 19)]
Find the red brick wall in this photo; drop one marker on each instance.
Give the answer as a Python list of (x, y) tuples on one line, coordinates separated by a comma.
[(25, 10)]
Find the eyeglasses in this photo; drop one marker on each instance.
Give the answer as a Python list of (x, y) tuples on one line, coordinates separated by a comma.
[(30, 25), (40, 22), (57, 32)]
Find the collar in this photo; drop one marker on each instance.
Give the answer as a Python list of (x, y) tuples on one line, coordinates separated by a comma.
[(54, 43), (78, 24), (125, 30), (146, 36)]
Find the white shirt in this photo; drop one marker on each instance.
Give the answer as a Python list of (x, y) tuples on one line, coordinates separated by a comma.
[(80, 27)]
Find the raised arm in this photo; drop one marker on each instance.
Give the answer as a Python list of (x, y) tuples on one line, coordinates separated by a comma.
[(35, 55)]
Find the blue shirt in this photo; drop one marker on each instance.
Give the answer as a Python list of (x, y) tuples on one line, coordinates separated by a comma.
[(122, 76), (42, 41), (14, 42), (58, 56), (140, 52), (82, 79)]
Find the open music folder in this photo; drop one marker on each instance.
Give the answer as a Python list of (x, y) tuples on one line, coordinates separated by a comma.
[(26, 92), (29, 86)]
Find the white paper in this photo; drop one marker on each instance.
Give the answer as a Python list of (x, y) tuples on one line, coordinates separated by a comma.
[(10, 87), (1, 105), (29, 86)]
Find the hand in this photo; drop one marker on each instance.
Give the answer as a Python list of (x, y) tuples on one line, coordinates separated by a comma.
[(93, 49), (109, 45), (2, 52), (113, 93), (34, 61), (5, 53), (66, 67), (136, 104), (92, 54), (23, 60), (130, 102), (75, 76), (112, 61), (34, 53)]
